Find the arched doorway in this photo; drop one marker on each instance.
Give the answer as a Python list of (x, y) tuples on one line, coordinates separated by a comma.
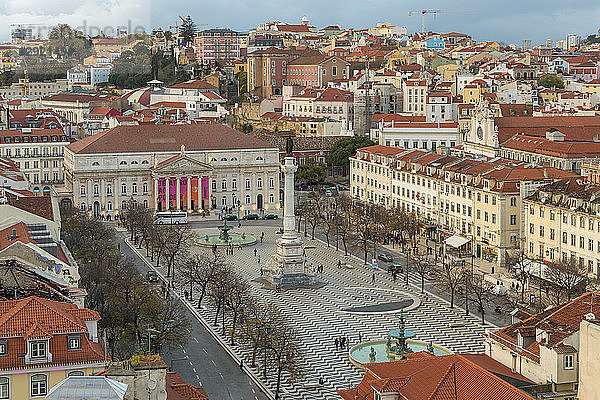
[(259, 201), (46, 191), (96, 209)]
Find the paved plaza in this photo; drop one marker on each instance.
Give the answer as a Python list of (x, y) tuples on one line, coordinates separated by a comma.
[(338, 309)]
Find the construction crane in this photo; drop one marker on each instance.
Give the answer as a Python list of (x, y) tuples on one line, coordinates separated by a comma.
[(434, 12)]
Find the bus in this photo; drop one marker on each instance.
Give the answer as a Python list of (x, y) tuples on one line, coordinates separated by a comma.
[(175, 217)]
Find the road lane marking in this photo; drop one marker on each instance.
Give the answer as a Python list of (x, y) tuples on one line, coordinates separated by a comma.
[(183, 351), (205, 350), (196, 340), (213, 361)]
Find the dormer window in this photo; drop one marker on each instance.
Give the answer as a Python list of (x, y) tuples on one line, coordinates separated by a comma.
[(3, 347), (38, 349), (74, 342)]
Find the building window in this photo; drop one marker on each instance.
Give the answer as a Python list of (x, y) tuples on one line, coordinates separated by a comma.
[(247, 199), (4, 388), (95, 189), (123, 188), (109, 189), (224, 201), (569, 361), (39, 385), (82, 190), (109, 206), (271, 183), (247, 184), (3, 348), (38, 349), (259, 183), (513, 219), (76, 373), (233, 184), (214, 185), (74, 342), (145, 188), (271, 198), (134, 188)]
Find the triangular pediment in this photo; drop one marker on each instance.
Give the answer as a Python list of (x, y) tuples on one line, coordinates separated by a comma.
[(182, 163)]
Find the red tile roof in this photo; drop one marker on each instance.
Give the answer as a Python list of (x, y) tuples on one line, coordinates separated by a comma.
[(575, 128), (165, 138), (560, 322), (38, 205), (72, 97), (553, 148), (36, 317), (441, 378), (178, 389)]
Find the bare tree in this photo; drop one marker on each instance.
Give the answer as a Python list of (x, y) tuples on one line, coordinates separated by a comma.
[(285, 351), (178, 238), (363, 227), (424, 267), (313, 214), (567, 277), (479, 293), (259, 322), (449, 276), (219, 290), (515, 262), (237, 301)]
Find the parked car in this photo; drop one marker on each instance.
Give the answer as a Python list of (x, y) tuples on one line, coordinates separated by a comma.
[(152, 276), (251, 216), (386, 257), (397, 268), (230, 217), (271, 216), (328, 193)]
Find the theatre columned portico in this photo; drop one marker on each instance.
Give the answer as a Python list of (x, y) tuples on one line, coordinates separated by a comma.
[(182, 183)]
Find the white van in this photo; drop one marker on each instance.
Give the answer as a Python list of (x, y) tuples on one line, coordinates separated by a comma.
[(176, 217)]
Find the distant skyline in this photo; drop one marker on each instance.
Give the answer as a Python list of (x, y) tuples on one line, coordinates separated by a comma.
[(508, 21)]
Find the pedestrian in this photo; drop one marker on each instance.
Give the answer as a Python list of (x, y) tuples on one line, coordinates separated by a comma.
[(373, 278), (359, 338), (241, 364), (321, 381), (239, 224), (336, 343), (239, 246), (347, 343), (254, 252), (261, 271), (426, 296), (259, 259), (394, 276), (339, 263), (186, 294)]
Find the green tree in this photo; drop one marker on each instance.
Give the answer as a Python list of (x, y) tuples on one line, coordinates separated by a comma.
[(188, 30), (65, 42), (6, 78), (345, 148), (551, 81), (310, 173)]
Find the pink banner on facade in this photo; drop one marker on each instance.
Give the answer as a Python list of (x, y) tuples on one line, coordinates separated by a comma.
[(173, 189), (204, 188), (162, 189), (183, 189)]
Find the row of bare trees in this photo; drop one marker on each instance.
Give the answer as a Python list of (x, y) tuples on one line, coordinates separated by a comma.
[(128, 304), (356, 225), (206, 276)]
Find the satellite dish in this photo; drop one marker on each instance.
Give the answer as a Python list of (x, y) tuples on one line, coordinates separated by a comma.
[(162, 394), (152, 384)]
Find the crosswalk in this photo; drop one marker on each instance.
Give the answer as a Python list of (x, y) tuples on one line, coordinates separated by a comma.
[(318, 315)]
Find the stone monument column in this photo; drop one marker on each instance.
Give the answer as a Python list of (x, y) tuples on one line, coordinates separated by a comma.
[(289, 219), (287, 267)]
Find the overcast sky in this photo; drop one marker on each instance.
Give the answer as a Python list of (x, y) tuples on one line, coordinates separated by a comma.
[(509, 20)]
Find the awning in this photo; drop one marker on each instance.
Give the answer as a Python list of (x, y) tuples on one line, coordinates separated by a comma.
[(456, 241)]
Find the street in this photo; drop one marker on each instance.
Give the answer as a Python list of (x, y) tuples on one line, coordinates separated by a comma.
[(203, 361)]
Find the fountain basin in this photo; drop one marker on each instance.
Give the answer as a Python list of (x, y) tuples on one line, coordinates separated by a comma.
[(234, 239), (359, 354)]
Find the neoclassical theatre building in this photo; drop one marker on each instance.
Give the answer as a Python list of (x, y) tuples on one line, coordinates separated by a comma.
[(172, 167)]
